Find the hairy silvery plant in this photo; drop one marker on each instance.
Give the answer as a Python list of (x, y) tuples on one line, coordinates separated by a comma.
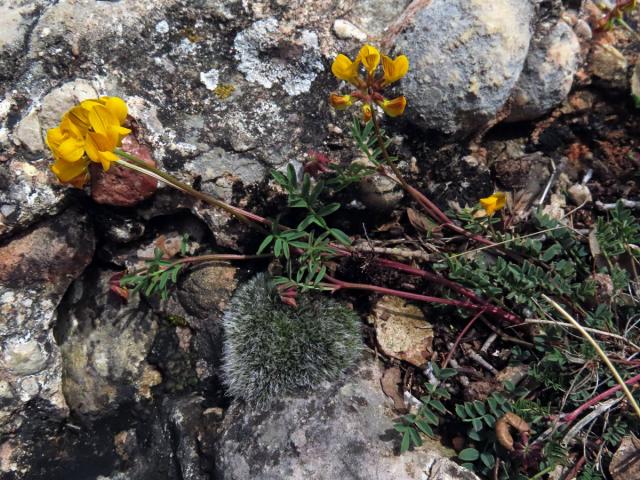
[(272, 349)]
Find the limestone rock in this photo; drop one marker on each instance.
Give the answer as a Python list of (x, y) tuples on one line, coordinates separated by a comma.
[(552, 62), (35, 270), (343, 430), (466, 57)]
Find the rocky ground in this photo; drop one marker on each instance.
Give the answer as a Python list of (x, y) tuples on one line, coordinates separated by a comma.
[(221, 92)]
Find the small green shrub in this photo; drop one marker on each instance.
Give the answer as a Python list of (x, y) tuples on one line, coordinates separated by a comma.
[(272, 349)]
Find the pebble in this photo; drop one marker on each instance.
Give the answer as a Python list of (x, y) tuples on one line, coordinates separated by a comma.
[(347, 31)]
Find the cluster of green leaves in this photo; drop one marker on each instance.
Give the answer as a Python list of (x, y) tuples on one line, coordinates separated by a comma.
[(311, 238), (616, 234), (367, 142), (158, 273), (428, 415)]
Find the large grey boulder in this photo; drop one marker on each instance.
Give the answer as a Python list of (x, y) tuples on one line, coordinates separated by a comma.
[(343, 430), (466, 57)]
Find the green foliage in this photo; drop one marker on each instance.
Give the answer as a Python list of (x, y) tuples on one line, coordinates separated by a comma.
[(589, 472), (428, 415), (367, 141), (616, 234), (158, 274), (306, 270), (272, 349)]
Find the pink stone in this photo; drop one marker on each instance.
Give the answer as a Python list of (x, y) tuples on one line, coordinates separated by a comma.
[(121, 186)]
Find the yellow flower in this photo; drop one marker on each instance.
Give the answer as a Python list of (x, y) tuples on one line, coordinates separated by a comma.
[(369, 87), (366, 112), (90, 131), (344, 69), (340, 102), (394, 107), (494, 202), (394, 70), (370, 58)]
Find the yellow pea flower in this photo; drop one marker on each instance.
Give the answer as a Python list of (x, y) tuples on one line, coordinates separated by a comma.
[(88, 132), (394, 70), (494, 202), (344, 69), (370, 58), (340, 102), (394, 107), (366, 112)]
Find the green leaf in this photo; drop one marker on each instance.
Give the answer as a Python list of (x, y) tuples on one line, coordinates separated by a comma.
[(279, 178), (291, 176), (445, 373), (265, 243), (415, 437), (406, 442), (476, 423), (277, 249), (340, 236), (437, 405), (473, 435), (306, 185), (488, 460), (460, 411), (328, 209), (469, 455), (479, 407), (430, 417), (425, 427)]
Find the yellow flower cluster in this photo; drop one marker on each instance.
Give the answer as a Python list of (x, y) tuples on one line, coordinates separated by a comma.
[(370, 87), (89, 132), (493, 203)]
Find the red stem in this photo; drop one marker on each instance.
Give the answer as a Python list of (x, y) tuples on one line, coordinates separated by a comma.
[(408, 295), (573, 473), (459, 338), (570, 418), (432, 277)]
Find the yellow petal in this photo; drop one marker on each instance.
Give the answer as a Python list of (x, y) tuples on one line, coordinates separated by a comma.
[(370, 58), (55, 137), (71, 150), (106, 158), (344, 69), (69, 171), (93, 152), (117, 107), (101, 119), (394, 70), (394, 107), (102, 142), (340, 102), (366, 112), (494, 202)]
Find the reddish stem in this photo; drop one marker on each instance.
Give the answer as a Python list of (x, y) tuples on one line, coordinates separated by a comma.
[(432, 277), (573, 473), (340, 284), (571, 417), (459, 338)]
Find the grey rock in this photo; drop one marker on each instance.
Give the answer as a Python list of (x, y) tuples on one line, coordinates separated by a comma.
[(301, 53), (104, 342), (466, 57), (375, 16), (35, 271), (343, 430), (545, 82)]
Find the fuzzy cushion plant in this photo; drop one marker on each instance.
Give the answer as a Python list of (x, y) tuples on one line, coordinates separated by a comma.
[(272, 349)]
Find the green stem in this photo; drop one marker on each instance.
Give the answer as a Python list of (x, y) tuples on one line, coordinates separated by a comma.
[(543, 472), (134, 163)]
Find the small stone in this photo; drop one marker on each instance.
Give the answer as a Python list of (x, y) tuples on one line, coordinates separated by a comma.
[(609, 65), (120, 186), (546, 80), (635, 81), (378, 192), (580, 194), (56, 103), (206, 290), (402, 330), (28, 132), (347, 31)]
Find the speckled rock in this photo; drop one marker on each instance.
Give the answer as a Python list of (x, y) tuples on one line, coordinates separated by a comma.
[(344, 430), (104, 341), (466, 57), (35, 270), (609, 66), (552, 62)]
